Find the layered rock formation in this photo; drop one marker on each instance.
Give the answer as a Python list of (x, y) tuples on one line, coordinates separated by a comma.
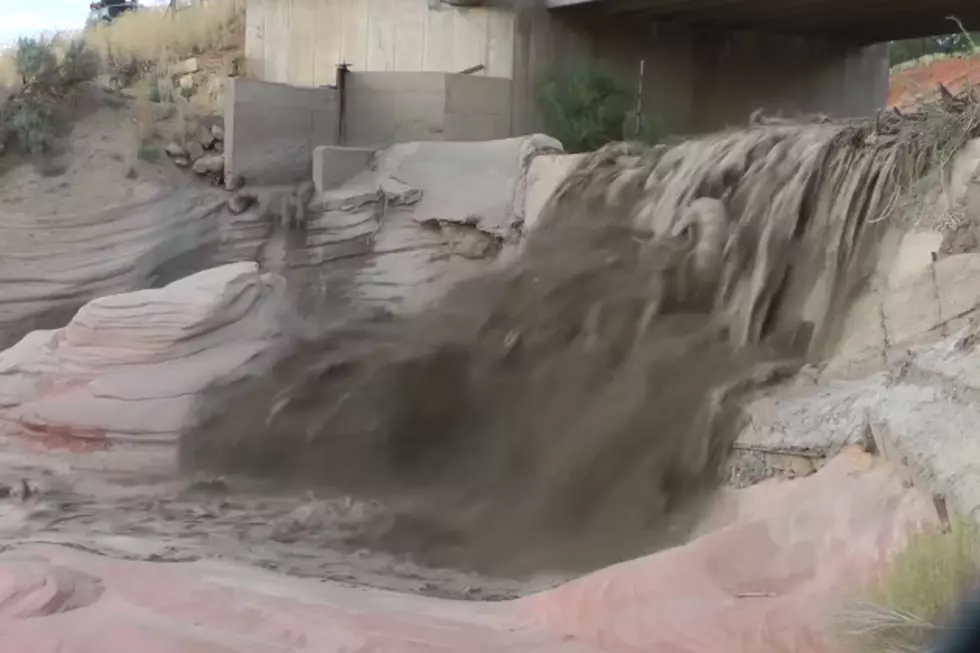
[(425, 215), (128, 367), (399, 234), (52, 264), (763, 577)]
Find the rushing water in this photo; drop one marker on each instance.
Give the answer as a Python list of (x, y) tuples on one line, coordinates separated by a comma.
[(577, 407)]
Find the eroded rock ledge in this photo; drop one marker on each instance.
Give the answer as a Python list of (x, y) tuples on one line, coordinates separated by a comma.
[(130, 366)]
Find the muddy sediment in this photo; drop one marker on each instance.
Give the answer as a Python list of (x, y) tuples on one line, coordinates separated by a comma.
[(578, 408)]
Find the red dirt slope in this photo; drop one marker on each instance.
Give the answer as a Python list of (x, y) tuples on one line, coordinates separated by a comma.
[(909, 87)]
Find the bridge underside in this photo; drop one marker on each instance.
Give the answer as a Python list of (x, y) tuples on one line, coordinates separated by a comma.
[(856, 21)]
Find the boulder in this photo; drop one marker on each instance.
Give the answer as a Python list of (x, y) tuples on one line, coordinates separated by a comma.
[(176, 150), (210, 165), (240, 202), (206, 138), (194, 150), (185, 67), (127, 367)]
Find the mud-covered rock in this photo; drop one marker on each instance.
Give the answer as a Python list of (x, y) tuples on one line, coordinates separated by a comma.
[(209, 165), (130, 366)]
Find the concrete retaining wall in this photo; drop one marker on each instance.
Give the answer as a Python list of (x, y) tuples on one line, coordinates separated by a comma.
[(477, 108), (274, 128), (301, 41), (391, 107), (271, 129)]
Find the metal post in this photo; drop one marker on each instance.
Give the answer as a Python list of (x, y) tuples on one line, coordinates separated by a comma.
[(639, 101), (343, 69)]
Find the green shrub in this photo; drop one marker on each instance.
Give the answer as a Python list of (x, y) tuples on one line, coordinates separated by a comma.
[(148, 154), (36, 62), (27, 117), (29, 126), (587, 108), (79, 64)]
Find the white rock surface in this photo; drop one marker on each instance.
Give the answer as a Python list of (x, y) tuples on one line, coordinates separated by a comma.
[(400, 234), (543, 176), (129, 366), (925, 404), (52, 264), (912, 301)]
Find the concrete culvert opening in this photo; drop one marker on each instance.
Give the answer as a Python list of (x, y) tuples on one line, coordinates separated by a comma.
[(578, 407)]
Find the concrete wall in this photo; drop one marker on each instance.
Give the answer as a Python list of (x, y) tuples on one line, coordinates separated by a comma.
[(547, 42), (740, 72), (271, 129), (477, 108), (696, 80), (301, 41), (392, 107)]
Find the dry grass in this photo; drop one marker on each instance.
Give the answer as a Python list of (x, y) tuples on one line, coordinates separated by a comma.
[(151, 37), (908, 604), (154, 37), (144, 116), (8, 70), (8, 64)]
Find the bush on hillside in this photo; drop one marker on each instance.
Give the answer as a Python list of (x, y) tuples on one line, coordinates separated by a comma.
[(587, 108), (139, 41), (27, 116)]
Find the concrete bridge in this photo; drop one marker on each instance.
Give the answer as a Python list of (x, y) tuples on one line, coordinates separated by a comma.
[(706, 64), (855, 21)]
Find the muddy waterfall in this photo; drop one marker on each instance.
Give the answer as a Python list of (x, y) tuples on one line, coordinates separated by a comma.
[(577, 407)]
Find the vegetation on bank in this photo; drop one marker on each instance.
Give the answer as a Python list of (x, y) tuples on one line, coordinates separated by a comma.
[(138, 49), (909, 604), (152, 38), (912, 50), (46, 75), (145, 40), (586, 108)]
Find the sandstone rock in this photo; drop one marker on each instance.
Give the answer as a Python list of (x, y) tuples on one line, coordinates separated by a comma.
[(368, 241), (210, 165), (234, 182), (925, 403), (185, 67), (479, 172), (194, 150), (107, 82), (187, 82), (176, 150), (182, 162), (84, 255), (761, 576), (128, 366), (206, 138), (218, 132), (241, 202), (914, 302)]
